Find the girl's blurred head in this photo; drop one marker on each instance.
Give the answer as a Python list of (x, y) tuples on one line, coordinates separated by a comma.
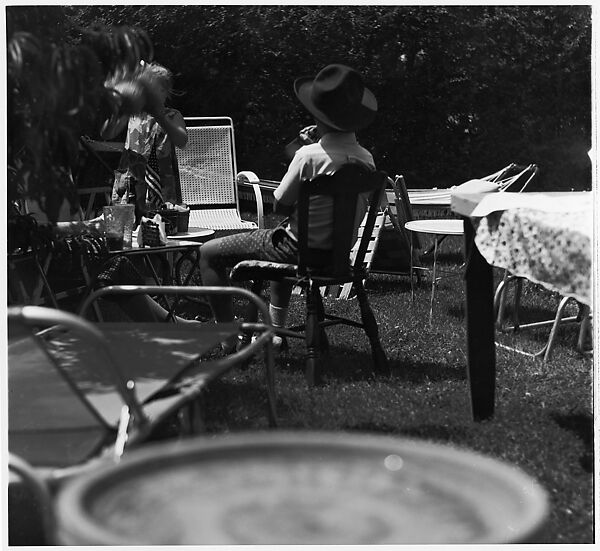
[(158, 79), (162, 76)]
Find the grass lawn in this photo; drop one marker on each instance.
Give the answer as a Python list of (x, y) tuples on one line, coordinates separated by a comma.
[(543, 421)]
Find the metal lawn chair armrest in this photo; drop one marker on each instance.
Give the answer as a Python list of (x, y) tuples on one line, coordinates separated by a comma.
[(264, 330), (249, 179)]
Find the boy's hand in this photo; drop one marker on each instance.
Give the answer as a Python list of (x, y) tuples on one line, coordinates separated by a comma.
[(309, 134)]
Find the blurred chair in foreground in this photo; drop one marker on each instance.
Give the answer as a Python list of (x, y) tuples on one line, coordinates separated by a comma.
[(80, 391)]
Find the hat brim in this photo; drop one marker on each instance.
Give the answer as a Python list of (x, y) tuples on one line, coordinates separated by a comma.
[(360, 116)]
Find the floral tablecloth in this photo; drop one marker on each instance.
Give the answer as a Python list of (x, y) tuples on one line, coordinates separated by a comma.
[(548, 240)]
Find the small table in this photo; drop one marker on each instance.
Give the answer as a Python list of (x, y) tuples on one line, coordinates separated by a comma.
[(186, 243), (172, 246), (189, 253), (436, 227), (543, 236)]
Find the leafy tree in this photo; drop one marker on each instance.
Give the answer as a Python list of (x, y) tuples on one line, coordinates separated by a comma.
[(56, 77), (462, 90)]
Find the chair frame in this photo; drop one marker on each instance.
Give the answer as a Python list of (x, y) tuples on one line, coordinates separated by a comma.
[(219, 199), (582, 318), (135, 425), (221, 365), (344, 185)]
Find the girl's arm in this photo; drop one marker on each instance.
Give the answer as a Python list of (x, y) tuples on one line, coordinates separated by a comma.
[(173, 124), (95, 225)]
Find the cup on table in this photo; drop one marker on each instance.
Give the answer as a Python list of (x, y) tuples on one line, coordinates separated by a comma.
[(183, 218), (118, 222)]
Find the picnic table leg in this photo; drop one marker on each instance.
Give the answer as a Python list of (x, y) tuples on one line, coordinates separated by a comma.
[(481, 352)]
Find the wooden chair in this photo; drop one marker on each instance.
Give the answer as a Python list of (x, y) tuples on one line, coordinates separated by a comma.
[(391, 251), (344, 187), (389, 246), (80, 391), (208, 176)]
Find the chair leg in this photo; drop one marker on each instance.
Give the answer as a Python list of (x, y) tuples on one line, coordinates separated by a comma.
[(500, 300), (370, 325), (434, 280), (270, 376), (517, 302), (584, 328), (312, 335), (412, 267), (323, 340), (251, 311), (558, 318)]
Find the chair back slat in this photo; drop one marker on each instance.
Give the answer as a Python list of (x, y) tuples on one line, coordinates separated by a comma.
[(344, 187)]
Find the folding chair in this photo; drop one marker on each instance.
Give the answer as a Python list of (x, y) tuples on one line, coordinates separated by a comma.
[(79, 391), (395, 213), (582, 318), (344, 186), (507, 178), (208, 176)]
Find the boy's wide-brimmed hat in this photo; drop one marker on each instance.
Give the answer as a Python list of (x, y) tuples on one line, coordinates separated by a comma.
[(338, 97)]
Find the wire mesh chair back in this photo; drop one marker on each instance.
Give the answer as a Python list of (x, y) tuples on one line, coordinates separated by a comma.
[(207, 164), (207, 174)]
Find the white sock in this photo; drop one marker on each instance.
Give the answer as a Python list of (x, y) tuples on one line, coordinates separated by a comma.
[(278, 315)]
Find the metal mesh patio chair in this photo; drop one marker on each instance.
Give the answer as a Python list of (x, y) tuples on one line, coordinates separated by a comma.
[(79, 391), (208, 173)]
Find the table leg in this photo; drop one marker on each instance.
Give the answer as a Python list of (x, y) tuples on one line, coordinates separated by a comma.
[(434, 278), (412, 266), (481, 352)]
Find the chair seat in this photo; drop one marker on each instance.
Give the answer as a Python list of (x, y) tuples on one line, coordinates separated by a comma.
[(262, 269), (274, 271), (219, 219), (436, 226), (48, 423)]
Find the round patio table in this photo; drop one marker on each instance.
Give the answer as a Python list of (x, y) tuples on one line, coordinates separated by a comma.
[(275, 488), (438, 228)]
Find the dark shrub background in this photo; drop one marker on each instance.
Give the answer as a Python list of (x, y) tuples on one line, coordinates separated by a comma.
[(462, 90)]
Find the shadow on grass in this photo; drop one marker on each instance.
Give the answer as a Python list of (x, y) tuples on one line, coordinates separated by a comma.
[(457, 311), (238, 399), (418, 372), (379, 284), (341, 366), (440, 433), (582, 425)]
